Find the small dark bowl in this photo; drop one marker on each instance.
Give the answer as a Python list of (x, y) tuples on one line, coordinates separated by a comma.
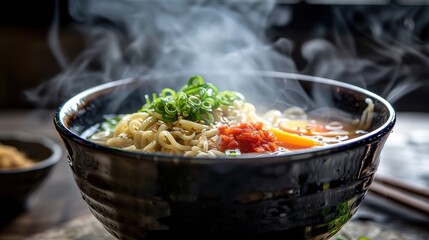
[(17, 184), (307, 194)]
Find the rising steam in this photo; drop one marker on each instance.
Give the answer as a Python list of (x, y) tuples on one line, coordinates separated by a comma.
[(365, 46), (135, 38), (379, 46)]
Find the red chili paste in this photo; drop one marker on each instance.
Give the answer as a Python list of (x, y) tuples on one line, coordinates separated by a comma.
[(248, 137)]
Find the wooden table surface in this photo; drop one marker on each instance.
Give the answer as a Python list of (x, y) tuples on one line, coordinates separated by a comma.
[(58, 200)]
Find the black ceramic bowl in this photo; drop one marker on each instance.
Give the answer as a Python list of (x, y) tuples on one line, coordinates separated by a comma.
[(307, 194), (17, 184)]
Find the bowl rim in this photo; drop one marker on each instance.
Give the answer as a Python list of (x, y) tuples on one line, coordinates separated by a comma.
[(378, 133), (54, 147)]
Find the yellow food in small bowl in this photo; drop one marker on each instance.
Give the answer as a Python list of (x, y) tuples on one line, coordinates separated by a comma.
[(26, 159), (11, 157)]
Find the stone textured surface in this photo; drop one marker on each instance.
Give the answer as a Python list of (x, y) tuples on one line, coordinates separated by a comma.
[(87, 228)]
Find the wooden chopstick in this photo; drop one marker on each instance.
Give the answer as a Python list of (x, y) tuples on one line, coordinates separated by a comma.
[(402, 193), (399, 184)]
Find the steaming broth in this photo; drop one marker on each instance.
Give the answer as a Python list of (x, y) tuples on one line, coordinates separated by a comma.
[(200, 121)]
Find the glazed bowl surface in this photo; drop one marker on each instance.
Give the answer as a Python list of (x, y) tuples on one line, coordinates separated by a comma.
[(305, 194), (17, 184)]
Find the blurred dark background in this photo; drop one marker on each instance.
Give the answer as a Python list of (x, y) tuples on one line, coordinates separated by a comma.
[(26, 58)]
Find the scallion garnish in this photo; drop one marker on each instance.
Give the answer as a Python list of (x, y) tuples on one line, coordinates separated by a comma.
[(232, 152), (195, 101), (110, 122)]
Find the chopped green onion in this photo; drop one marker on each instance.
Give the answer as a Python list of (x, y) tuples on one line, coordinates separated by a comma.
[(168, 90), (110, 122), (198, 79), (195, 101), (232, 152), (206, 105), (170, 108)]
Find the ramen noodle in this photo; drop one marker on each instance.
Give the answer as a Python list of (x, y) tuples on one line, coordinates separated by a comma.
[(200, 121), (10, 157)]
